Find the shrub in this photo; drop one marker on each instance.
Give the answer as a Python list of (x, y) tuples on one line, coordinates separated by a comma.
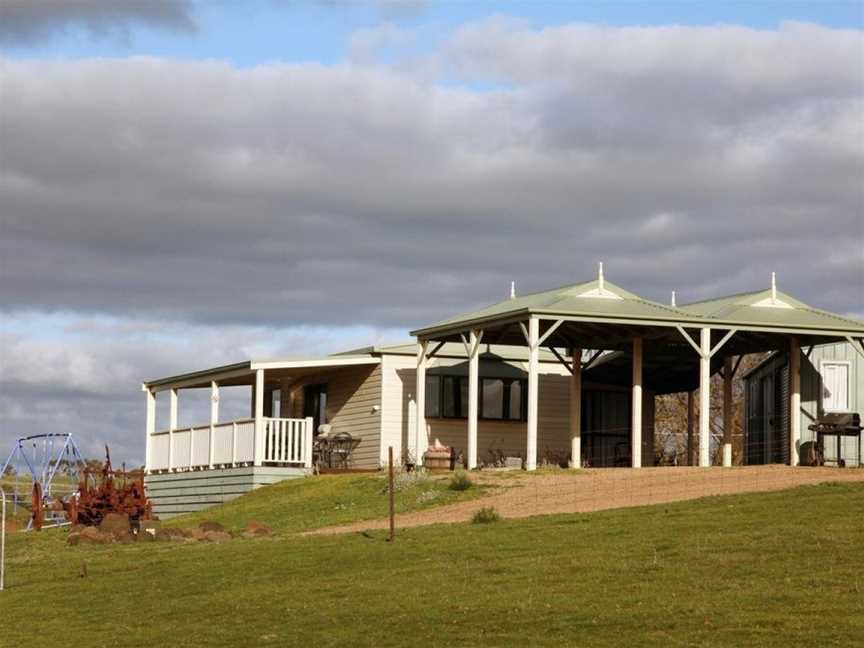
[(460, 482), (486, 515), (404, 480), (428, 496)]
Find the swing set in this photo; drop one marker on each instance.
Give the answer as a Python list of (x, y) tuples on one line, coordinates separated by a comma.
[(49, 467)]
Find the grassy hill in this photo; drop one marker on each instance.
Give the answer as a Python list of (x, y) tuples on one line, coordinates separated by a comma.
[(775, 569)]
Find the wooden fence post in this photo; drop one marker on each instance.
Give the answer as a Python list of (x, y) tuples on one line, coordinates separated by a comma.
[(392, 496)]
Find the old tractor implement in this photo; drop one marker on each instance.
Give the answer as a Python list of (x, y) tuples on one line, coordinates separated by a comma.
[(104, 490)]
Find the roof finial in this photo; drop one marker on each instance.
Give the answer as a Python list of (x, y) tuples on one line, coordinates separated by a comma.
[(512, 290), (773, 287), (600, 285), (673, 298)]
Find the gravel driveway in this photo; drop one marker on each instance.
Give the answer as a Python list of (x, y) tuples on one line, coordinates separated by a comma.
[(518, 494)]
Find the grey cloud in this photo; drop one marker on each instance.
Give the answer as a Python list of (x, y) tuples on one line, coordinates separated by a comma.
[(85, 377), (289, 194), (25, 22), (207, 208)]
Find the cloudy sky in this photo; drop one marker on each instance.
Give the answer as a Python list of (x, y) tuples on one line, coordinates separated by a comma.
[(185, 184)]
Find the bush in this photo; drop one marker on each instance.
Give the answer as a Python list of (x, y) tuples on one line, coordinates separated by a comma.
[(486, 515), (460, 482), (405, 480), (428, 496)]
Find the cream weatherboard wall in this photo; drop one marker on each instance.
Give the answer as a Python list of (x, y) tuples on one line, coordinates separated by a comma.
[(353, 397)]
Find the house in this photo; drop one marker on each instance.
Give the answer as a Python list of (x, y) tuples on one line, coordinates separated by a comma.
[(832, 381), (565, 376)]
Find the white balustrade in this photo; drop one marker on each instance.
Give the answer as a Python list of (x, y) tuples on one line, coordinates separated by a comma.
[(286, 442)]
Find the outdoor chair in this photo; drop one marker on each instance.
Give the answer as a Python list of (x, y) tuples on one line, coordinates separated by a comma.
[(341, 445)]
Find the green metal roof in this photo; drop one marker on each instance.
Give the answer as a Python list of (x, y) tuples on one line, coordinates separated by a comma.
[(454, 350), (573, 300), (741, 308), (580, 301)]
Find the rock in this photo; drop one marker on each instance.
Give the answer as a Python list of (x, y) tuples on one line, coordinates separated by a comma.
[(89, 535), (257, 529), (193, 534), (169, 533), (146, 536), (116, 524), (211, 526), (214, 536)]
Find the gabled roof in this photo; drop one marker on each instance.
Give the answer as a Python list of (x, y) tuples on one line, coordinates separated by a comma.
[(770, 308), (598, 298), (598, 301)]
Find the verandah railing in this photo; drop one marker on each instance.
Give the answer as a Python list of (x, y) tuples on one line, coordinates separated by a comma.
[(235, 443)]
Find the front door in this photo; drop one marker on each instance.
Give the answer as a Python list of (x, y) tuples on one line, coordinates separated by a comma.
[(315, 404)]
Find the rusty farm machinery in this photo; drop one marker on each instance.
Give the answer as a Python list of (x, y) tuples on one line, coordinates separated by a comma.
[(64, 489)]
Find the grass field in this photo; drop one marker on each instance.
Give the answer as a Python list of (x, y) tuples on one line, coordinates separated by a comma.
[(771, 569)]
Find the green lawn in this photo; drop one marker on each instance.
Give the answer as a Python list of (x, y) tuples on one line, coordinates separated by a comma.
[(775, 569)]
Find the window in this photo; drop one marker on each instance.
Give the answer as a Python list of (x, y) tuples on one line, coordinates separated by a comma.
[(433, 396), (501, 399), (454, 397), (835, 385)]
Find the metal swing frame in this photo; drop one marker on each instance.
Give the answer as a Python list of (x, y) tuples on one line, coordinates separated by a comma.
[(42, 465)]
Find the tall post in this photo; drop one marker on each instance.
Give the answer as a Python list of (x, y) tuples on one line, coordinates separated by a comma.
[(727, 412), (705, 397), (691, 416), (636, 406), (420, 442), (390, 492), (533, 391), (473, 392), (214, 417), (576, 409), (259, 417), (172, 425), (794, 401), (150, 426)]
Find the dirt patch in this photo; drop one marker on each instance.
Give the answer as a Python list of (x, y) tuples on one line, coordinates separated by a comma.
[(518, 495)]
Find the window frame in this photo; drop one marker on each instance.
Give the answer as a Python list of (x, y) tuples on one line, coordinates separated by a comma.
[(848, 365), (457, 398)]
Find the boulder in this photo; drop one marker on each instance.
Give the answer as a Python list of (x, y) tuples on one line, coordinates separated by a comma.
[(89, 535), (115, 523), (211, 526), (257, 529), (169, 533)]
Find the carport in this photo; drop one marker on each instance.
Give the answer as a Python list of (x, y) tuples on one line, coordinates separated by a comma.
[(622, 338)]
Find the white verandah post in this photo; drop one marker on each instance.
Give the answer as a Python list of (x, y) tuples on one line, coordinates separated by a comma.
[(533, 367), (794, 401), (420, 441), (705, 398), (636, 406), (150, 426), (576, 409), (259, 417), (473, 392), (172, 425), (214, 417)]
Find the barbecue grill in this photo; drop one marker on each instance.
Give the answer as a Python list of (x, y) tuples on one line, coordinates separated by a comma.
[(839, 425)]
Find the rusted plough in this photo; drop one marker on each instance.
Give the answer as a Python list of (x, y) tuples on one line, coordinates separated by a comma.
[(104, 490)]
